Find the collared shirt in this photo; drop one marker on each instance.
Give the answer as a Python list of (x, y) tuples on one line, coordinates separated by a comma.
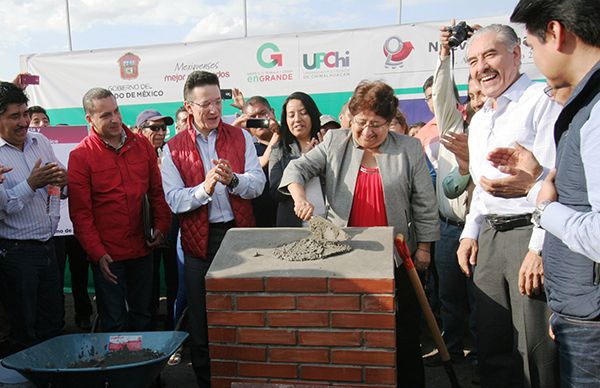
[(121, 143), (182, 199), (523, 114), (25, 214)]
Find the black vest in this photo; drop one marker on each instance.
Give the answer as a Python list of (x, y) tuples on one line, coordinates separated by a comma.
[(571, 279)]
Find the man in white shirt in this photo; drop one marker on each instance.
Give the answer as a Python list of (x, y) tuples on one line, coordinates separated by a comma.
[(498, 244), (210, 172)]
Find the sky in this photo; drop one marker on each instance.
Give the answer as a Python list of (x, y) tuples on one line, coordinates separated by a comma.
[(40, 26)]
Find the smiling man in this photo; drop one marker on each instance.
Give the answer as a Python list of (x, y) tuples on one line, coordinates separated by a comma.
[(110, 171), (210, 174), (29, 275), (498, 244)]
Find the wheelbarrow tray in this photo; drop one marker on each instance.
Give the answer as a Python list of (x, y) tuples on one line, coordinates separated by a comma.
[(47, 364)]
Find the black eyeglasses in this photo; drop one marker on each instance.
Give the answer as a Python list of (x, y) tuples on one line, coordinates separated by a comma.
[(157, 127), (549, 90)]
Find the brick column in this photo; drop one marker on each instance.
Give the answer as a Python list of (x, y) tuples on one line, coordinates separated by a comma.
[(307, 329)]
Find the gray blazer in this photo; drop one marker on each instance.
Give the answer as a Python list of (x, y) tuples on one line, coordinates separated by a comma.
[(409, 194)]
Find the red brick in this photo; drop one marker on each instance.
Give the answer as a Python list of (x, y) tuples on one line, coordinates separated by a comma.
[(235, 318), (221, 334), (302, 319), (380, 339), (223, 368), (331, 373), (368, 321), (218, 302), (378, 303), (329, 302), (302, 355), (268, 370), (380, 375), (363, 357), (216, 382), (296, 383), (296, 285), (266, 336), (329, 338), (234, 284), (372, 286), (246, 353), (237, 382), (266, 303)]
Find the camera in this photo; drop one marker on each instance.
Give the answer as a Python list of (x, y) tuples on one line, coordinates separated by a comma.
[(257, 123), (460, 33), (226, 94)]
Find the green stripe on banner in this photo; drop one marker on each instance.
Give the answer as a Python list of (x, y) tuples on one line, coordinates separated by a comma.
[(328, 103)]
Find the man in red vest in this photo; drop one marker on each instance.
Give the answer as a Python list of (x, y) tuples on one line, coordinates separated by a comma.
[(210, 173)]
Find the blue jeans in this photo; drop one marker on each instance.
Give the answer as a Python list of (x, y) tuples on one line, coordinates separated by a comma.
[(134, 286), (31, 291), (181, 299), (456, 291), (578, 351)]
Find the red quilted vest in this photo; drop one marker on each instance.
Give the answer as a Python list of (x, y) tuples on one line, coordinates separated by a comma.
[(231, 145)]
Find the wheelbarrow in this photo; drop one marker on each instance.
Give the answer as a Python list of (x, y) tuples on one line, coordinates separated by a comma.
[(55, 362)]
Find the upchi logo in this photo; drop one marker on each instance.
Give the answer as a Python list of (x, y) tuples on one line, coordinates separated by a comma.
[(276, 58), (129, 66), (396, 51), (331, 59)]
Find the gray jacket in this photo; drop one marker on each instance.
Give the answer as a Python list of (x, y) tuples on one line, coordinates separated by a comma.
[(410, 200)]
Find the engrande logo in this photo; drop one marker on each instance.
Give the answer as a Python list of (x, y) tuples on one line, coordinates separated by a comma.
[(331, 59), (396, 51), (129, 66), (269, 51)]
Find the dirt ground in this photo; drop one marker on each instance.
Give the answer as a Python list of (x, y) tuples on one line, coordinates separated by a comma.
[(182, 375)]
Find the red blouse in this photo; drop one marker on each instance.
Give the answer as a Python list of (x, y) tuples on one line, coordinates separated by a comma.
[(368, 206)]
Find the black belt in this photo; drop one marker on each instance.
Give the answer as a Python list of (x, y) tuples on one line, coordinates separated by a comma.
[(29, 242), (222, 225), (504, 223), (459, 224)]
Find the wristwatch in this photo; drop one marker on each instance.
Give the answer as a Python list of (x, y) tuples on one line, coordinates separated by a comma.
[(536, 217), (235, 181)]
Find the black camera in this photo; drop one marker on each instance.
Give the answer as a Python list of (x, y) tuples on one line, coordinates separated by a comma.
[(460, 33)]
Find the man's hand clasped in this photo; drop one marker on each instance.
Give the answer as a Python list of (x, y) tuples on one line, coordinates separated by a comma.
[(522, 168), (222, 172), (49, 174)]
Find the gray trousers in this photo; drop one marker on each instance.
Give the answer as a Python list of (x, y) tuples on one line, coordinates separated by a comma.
[(514, 347)]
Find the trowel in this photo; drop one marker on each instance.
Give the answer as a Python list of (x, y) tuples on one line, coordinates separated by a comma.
[(321, 229)]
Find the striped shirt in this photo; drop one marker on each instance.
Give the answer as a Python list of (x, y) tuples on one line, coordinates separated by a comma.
[(26, 214)]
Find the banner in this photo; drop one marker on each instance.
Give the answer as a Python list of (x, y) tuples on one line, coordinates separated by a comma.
[(63, 140), (327, 65)]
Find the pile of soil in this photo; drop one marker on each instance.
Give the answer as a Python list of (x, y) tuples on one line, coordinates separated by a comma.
[(117, 357)]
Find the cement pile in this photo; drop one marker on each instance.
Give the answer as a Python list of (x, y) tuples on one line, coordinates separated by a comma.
[(325, 241)]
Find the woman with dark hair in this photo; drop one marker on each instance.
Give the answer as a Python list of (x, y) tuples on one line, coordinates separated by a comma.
[(299, 133), (376, 177)]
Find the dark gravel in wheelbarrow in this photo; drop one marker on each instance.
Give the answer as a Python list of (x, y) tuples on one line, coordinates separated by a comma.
[(117, 357)]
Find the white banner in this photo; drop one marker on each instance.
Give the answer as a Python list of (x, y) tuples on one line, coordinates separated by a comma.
[(328, 62)]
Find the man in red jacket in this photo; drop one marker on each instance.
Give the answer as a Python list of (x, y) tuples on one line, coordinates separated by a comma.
[(109, 173), (210, 172)]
